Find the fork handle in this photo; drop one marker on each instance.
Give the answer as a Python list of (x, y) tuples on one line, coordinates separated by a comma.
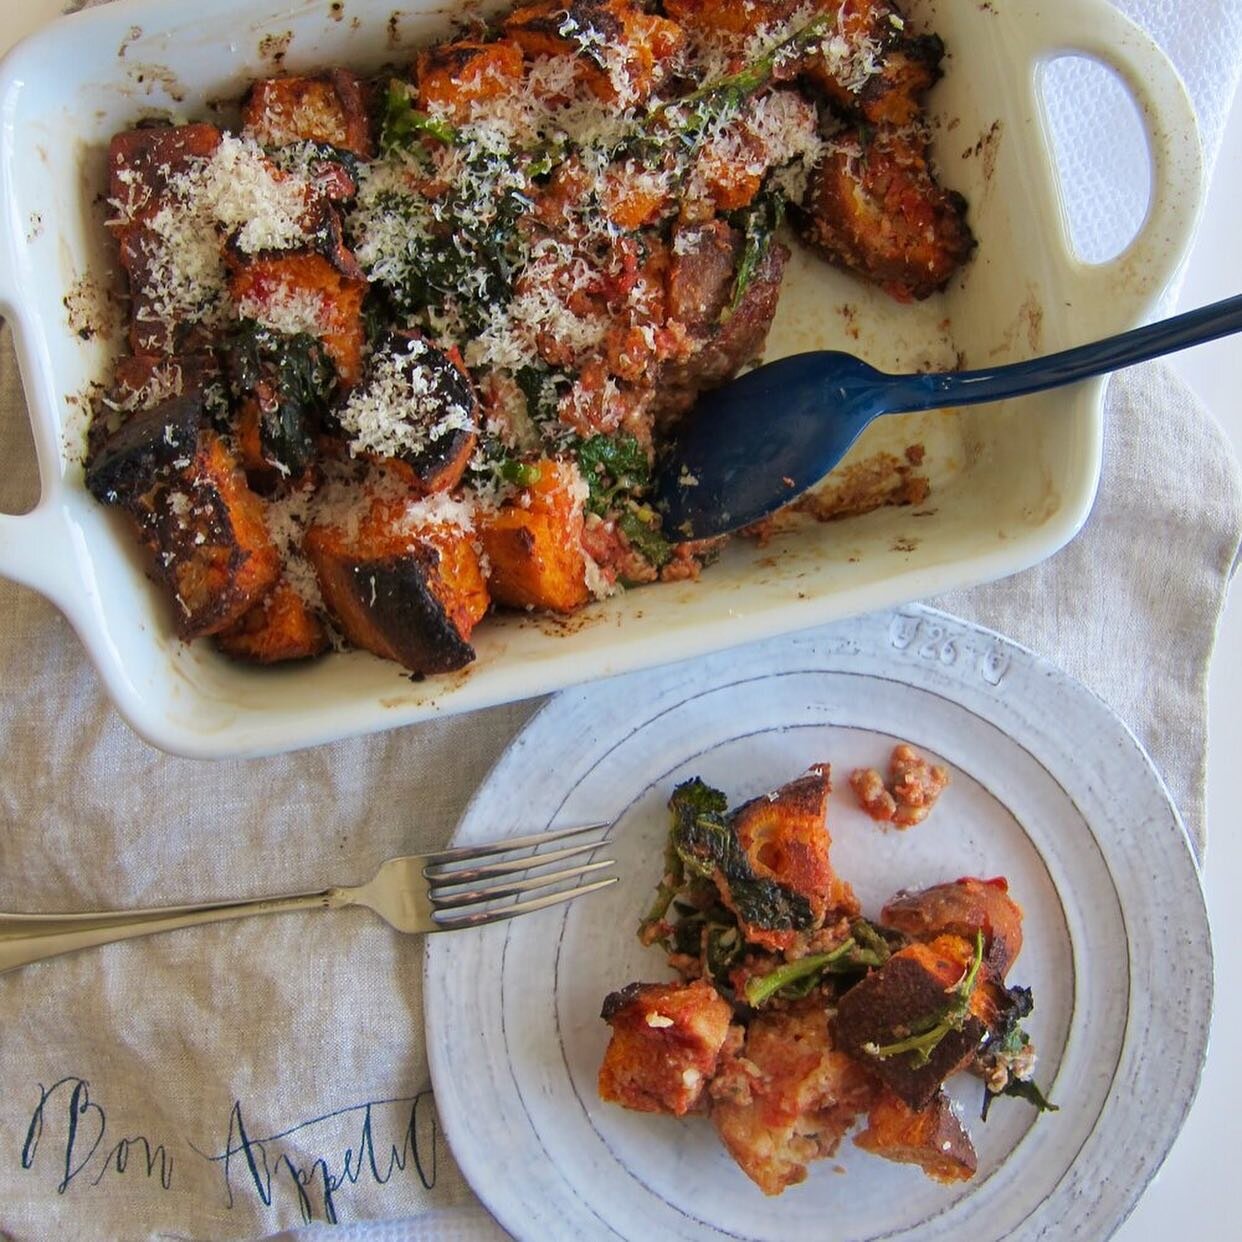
[(26, 938)]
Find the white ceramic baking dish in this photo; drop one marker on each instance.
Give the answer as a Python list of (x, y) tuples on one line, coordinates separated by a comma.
[(1011, 484)]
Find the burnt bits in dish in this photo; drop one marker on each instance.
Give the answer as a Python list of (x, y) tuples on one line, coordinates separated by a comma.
[(403, 348)]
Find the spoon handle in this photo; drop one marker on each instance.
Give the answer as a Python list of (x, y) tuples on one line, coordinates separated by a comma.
[(927, 392)]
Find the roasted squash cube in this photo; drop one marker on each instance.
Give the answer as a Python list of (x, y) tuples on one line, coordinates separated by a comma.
[(280, 627), (735, 17), (873, 207), (401, 579), (666, 1040), (789, 1098), (962, 908), (325, 109), (202, 526), (884, 80), (152, 444), (533, 544), (303, 291), (621, 51), (453, 76), (416, 406), (785, 838), (907, 996), (143, 164), (932, 1137)]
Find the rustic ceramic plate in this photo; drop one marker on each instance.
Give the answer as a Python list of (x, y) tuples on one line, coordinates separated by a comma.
[(1049, 789)]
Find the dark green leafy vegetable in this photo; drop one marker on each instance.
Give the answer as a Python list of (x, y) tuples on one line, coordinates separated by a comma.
[(307, 153), (928, 1032), (758, 223), (671, 883), (707, 845), (864, 949), (688, 118), (492, 463), (805, 971), (463, 246), (612, 465), (1008, 1043), (542, 390), (402, 124), (1022, 1088), (297, 375), (643, 533)]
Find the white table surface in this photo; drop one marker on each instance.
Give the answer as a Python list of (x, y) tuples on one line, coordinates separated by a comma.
[(1194, 1195)]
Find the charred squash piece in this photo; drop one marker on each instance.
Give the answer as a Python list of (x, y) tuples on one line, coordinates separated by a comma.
[(202, 526), (533, 545), (143, 381), (906, 996), (406, 588), (303, 291), (621, 50), (899, 67), (873, 207), (784, 835), (142, 164), (790, 1098), (734, 17), (327, 108), (455, 75), (666, 1040), (416, 406), (151, 443), (960, 909), (279, 627), (933, 1137)]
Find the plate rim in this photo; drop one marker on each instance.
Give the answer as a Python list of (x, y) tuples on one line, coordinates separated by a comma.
[(1195, 911)]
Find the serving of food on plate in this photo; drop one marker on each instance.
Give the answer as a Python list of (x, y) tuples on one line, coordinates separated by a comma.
[(794, 1015), (403, 347)]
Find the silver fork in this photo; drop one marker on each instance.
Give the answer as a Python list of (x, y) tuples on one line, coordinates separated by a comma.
[(415, 893)]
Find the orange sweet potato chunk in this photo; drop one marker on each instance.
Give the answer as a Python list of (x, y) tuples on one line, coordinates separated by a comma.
[(279, 627), (932, 1137), (209, 542), (961, 909), (454, 75), (327, 108), (534, 550), (615, 42), (309, 279), (785, 837), (666, 1040), (410, 593)]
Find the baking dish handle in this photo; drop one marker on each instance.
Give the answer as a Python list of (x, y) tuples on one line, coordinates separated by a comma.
[(1140, 273), (36, 548)]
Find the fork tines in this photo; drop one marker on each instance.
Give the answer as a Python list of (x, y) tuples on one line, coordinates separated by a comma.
[(473, 906)]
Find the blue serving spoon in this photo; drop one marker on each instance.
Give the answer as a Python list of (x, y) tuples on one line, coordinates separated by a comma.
[(750, 447)]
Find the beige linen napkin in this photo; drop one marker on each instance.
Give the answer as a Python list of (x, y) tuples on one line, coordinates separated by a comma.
[(229, 1081)]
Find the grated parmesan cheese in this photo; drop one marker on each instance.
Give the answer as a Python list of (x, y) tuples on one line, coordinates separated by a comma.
[(403, 408)]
